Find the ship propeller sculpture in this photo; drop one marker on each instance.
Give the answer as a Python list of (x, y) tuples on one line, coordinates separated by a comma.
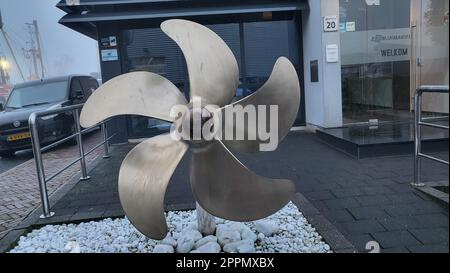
[(220, 183)]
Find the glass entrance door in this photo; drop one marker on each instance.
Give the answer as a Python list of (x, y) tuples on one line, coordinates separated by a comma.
[(375, 59)]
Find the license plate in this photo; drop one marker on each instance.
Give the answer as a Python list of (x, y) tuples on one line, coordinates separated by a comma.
[(19, 136)]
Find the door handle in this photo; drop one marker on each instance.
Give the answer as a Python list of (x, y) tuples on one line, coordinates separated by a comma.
[(419, 61)]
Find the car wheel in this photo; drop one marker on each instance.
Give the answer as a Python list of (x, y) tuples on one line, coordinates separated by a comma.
[(7, 154), (72, 141)]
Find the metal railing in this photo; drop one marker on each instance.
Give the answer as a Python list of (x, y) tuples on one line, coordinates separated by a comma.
[(38, 150), (419, 121)]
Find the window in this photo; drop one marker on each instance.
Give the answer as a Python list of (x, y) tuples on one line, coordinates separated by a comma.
[(37, 94), (89, 85), (255, 45), (376, 52)]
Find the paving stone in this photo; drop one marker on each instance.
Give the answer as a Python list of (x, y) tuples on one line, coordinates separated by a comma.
[(323, 187), (382, 182), (365, 213), (396, 250), (360, 227), (360, 241), (442, 248), (373, 200), (379, 174), (375, 190), (399, 188), (415, 222), (404, 198), (392, 239), (338, 216), (342, 203), (319, 195), (413, 209), (431, 236), (349, 192)]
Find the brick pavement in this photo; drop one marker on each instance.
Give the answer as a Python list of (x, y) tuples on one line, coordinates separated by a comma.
[(19, 190)]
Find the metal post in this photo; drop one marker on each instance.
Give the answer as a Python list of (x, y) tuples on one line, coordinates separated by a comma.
[(417, 140), (39, 166), (84, 175), (105, 140)]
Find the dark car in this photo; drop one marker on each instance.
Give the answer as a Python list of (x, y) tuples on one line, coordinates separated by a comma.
[(26, 98)]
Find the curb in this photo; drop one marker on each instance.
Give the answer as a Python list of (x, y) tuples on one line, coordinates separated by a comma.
[(332, 236)]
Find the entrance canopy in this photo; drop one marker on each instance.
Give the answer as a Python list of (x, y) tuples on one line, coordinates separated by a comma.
[(84, 15)]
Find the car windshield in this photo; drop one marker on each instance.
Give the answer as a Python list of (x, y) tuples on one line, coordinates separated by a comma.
[(39, 94)]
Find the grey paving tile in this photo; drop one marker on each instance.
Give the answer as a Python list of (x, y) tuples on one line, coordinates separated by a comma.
[(415, 222), (413, 209), (348, 192), (431, 236), (429, 248), (375, 190), (360, 241), (400, 188), (404, 198), (360, 227), (341, 203), (364, 213), (391, 239), (320, 195), (338, 216), (373, 200), (396, 250)]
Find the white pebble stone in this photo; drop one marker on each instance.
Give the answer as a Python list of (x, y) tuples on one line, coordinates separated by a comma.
[(205, 240), (163, 249), (211, 247)]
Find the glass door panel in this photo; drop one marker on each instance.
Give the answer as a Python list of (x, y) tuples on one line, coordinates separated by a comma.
[(375, 60), (431, 56)]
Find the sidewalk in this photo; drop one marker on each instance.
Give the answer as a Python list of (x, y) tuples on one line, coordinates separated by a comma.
[(19, 189), (366, 200)]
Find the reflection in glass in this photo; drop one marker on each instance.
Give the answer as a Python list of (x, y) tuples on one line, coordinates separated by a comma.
[(256, 46), (375, 46)]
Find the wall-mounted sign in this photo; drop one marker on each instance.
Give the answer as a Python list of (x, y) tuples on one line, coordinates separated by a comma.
[(342, 27), (330, 23), (332, 53), (109, 55), (350, 26), (314, 66), (377, 46), (110, 41)]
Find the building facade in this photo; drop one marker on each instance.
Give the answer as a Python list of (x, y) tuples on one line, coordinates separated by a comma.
[(357, 60)]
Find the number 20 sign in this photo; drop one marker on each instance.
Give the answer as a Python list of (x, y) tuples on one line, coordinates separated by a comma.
[(330, 23)]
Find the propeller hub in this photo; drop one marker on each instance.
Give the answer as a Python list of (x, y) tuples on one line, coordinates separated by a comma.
[(197, 126)]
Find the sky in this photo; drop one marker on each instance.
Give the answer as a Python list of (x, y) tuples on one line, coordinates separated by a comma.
[(65, 51)]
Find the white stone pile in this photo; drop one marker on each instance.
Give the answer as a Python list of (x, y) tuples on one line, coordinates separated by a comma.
[(286, 231)]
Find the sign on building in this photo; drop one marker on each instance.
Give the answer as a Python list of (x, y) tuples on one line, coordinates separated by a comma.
[(330, 23)]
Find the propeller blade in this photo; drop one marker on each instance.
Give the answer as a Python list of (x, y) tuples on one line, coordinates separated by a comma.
[(213, 70), (136, 93), (224, 187), (143, 179), (282, 89)]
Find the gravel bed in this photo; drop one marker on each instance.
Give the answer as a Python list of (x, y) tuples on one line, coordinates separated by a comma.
[(286, 231)]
